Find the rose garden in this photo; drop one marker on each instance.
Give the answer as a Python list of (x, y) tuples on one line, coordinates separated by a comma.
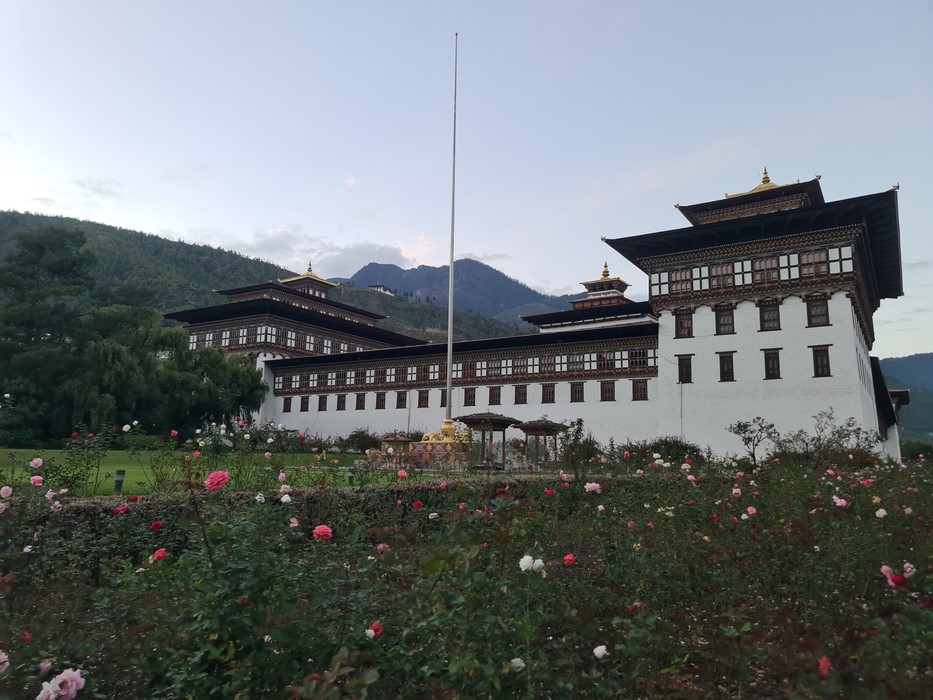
[(248, 563)]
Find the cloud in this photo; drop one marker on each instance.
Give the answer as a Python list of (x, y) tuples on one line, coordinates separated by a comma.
[(489, 258), (343, 261), (103, 187), (349, 180), (918, 265), (44, 201)]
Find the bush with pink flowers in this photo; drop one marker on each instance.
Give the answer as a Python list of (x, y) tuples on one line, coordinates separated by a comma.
[(537, 586)]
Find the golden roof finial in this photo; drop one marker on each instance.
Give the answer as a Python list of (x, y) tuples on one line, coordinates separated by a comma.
[(765, 179), (605, 270), (310, 271)]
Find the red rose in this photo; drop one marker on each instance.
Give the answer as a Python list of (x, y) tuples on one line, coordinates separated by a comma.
[(417, 505), (174, 433), (75, 436), (376, 627), (133, 499), (156, 526), (570, 560)]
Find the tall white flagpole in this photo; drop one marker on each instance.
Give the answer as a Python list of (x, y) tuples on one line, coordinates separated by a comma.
[(450, 285)]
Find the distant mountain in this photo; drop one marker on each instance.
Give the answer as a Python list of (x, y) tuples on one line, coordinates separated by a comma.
[(914, 372), (477, 287)]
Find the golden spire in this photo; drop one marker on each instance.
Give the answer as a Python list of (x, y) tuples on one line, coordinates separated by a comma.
[(605, 270), (765, 179)]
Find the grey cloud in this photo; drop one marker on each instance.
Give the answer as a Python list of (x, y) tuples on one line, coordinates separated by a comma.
[(44, 201), (99, 187), (344, 261), (925, 264)]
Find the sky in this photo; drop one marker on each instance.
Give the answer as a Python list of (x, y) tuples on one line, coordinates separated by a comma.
[(300, 131)]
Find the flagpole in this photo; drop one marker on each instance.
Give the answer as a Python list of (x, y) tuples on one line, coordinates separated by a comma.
[(450, 285)]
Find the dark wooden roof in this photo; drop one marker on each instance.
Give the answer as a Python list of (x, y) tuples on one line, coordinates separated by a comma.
[(811, 189), (464, 346), (301, 295), (592, 313), (489, 421), (271, 307), (540, 427), (878, 213)]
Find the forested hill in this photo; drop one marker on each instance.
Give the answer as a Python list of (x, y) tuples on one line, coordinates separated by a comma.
[(140, 269), (143, 269)]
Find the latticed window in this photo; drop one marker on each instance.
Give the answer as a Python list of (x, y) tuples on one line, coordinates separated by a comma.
[(380, 400), (575, 362), (685, 369), (772, 364), (725, 319), (817, 311), (683, 323), (520, 365), (726, 367), (681, 281), (769, 315), (495, 395), (765, 270), (821, 361), (637, 358), (423, 373), (607, 391), (606, 360), (443, 398), (639, 390), (304, 404), (341, 402), (401, 399), (547, 393), (493, 368), (287, 404), (576, 392), (521, 394), (469, 396), (469, 370), (721, 276), (322, 402), (361, 402), (813, 263), (423, 398), (548, 364)]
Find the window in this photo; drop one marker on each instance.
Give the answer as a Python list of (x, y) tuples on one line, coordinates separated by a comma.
[(521, 394), (341, 402), (401, 399), (607, 391), (721, 276), (520, 365), (575, 362), (821, 361), (639, 390), (637, 358), (769, 315), (322, 402), (493, 368), (422, 398), (287, 404), (683, 323), (548, 364), (495, 395), (547, 393), (380, 375), (361, 402), (725, 319), (469, 396), (443, 398), (304, 404), (380, 400), (840, 260), (469, 370), (813, 263), (423, 373), (605, 360), (765, 270), (681, 281), (772, 364), (685, 369), (817, 311), (576, 392), (726, 367)]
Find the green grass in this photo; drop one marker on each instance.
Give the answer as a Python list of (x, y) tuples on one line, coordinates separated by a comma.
[(137, 480)]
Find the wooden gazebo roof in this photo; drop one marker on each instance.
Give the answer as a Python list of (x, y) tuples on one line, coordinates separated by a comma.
[(540, 427), (486, 421)]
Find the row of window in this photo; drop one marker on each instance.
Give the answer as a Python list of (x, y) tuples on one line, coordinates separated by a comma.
[(545, 365), (756, 272), (769, 316), (607, 392), (272, 335), (772, 364)]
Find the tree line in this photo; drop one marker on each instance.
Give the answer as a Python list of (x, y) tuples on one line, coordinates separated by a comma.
[(78, 352)]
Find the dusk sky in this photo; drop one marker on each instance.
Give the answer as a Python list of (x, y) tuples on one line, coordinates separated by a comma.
[(300, 131)]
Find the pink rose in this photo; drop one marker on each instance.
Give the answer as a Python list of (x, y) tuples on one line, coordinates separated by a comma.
[(36, 463), (69, 682), (36, 480), (322, 532), (268, 455), (216, 480), (6, 492)]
